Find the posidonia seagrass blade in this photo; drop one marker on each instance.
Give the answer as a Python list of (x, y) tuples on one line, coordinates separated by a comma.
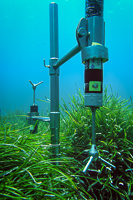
[(28, 172)]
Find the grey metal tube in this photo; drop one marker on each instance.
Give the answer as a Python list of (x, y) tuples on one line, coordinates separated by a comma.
[(33, 96), (88, 164), (53, 10), (44, 119), (69, 55), (93, 126), (109, 164), (54, 94), (54, 81)]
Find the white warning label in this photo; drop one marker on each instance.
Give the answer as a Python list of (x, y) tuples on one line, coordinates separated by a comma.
[(95, 63)]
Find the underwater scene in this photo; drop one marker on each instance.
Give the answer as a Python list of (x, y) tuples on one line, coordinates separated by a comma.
[(66, 107)]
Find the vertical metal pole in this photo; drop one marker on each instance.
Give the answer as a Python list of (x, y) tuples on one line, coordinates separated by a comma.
[(33, 96), (53, 8), (93, 126), (54, 81)]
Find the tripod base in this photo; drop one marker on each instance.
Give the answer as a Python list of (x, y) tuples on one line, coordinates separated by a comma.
[(93, 151), (94, 155)]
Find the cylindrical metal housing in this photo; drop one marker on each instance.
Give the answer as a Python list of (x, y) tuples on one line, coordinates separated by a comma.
[(93, 83), (96, 30), (31, 121), (94, 54)]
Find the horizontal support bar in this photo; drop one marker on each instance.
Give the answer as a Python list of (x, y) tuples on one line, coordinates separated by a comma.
[(44, 119), (69, 55)]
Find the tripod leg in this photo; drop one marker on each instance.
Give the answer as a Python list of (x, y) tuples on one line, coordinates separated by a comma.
[(109, 164), (88, 164)]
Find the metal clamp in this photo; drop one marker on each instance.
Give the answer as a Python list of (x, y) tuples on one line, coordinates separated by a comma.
[(81, 32), (94, 51), (48, 66)]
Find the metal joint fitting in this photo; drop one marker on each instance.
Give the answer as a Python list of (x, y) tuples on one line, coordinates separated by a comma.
[(95, 42), (33, 122), (30, 116), (95, 51), (81, 32), (93, 99), (52, 70)]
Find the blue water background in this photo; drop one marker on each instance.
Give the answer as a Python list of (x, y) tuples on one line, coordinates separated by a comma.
[(24, 43)]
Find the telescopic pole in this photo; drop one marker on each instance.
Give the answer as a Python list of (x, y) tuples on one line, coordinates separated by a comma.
[(54, 81)]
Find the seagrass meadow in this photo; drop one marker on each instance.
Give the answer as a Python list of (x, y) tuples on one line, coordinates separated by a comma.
[(27, 170)]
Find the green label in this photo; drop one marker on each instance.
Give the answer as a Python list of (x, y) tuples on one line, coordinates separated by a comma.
[(94, 86)]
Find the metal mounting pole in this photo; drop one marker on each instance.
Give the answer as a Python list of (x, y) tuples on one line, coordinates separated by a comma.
[(93, 126), (54, 81)]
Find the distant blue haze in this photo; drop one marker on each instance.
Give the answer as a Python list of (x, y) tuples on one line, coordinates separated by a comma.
[(24, 43)]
